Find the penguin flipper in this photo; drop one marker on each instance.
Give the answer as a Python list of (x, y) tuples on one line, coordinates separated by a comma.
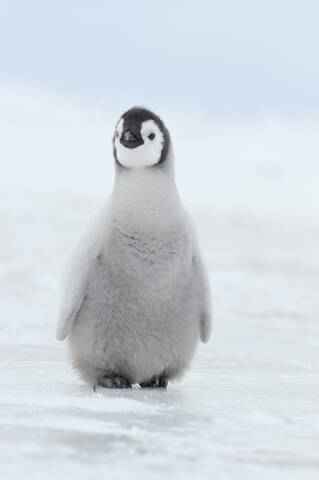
[(205, 324), (75, 280), (72, 300), (205, 328)]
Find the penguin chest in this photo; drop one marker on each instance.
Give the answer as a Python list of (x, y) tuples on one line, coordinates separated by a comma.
[(140, 285), (146, 272)]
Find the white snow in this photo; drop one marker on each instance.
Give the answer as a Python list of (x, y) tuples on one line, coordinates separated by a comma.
[(249, 406)]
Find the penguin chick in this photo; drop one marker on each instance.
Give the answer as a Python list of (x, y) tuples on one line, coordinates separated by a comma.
[(136, 298)]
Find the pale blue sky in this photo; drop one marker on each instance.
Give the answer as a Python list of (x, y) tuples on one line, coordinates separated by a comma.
[(222, 57)]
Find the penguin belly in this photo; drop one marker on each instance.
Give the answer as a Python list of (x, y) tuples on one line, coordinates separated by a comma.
[(139, 317)]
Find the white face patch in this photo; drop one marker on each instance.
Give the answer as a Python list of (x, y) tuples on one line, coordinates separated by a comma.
[(147, 154)]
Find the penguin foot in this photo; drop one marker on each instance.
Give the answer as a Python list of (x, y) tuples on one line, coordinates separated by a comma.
[(114, 382), (158, 381)]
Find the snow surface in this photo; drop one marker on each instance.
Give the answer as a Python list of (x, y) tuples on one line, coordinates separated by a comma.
[(249, 406)]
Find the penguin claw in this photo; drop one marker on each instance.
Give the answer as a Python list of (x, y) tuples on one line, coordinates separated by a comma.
[(158, 381), (114, 382)]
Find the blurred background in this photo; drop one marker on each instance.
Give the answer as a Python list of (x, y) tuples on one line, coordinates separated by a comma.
[(212, 58), (237, 85)]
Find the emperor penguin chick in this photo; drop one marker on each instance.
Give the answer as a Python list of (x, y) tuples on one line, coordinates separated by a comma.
[(136, 297)]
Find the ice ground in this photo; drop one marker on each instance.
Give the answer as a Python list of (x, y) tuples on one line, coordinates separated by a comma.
[(249, 406)]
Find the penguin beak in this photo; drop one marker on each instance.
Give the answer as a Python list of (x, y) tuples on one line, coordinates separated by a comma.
[(131, 138)]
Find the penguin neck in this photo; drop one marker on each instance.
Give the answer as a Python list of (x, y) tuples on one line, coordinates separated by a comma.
[(141, 186), (143, 196)]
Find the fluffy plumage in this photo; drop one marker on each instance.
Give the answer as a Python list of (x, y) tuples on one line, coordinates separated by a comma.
[(136, 297)]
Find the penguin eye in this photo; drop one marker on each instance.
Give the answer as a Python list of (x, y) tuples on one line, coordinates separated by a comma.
[(151, 136)]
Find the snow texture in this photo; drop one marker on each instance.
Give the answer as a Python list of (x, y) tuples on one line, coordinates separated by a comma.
[(249, 406)]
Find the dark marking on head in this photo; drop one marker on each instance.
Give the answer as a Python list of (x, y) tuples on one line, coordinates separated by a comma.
[(131, 135)]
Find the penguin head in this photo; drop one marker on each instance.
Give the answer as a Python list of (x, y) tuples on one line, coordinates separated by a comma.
[(140, 139)]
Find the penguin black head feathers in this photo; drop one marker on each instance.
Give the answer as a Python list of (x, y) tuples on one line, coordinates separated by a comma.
[(140, 139)]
